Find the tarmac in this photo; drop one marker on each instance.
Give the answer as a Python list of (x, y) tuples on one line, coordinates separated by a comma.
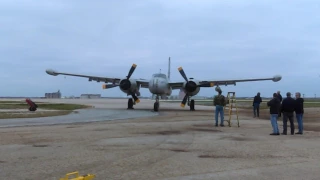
[(98, 113), (102, 111), (174, 144), (78, 116)]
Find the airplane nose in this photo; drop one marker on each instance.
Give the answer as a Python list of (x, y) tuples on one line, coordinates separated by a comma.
[(51, 72), (276, 78)]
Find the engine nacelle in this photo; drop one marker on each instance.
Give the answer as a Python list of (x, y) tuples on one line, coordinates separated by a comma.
[(137, 92), (127, 85), (191, 87)]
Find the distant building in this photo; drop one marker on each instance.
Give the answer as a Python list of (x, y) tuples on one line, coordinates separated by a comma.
[(90, 96), (53, 95), (199, 97)]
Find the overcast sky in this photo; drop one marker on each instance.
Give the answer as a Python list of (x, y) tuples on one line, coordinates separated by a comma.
[(210, 39)]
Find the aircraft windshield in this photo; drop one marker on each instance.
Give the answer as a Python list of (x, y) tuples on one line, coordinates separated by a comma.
[(159, 75)]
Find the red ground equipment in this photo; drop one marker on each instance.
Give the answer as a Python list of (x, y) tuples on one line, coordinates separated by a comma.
[(33, 106)]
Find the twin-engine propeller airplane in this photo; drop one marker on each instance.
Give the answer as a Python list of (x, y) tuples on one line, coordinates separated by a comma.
[(159, 84)]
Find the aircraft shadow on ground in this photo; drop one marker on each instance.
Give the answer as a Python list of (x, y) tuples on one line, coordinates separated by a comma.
[(168, 110)]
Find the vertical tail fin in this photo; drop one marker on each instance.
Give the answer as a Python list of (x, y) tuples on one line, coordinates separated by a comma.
[(169, 69)]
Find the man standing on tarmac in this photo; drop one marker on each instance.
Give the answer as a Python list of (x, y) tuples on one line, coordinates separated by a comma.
[(299, 112), (279, 96), (287, 108), (274, 105), (256, 105), (219, 101), (280, 99)]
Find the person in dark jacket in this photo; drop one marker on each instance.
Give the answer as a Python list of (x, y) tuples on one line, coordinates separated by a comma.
[(280, 99), (274, 105), (299, 112), (256, 105), (279, 96), (287, 108)]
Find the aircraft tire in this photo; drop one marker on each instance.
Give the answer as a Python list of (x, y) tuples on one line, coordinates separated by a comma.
[(130, 103), (192, 105), (156, 106), (32, 108)]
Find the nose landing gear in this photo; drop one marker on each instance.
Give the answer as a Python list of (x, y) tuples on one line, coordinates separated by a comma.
[(156, 104)]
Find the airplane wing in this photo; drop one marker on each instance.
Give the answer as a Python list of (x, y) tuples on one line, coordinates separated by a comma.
[(91, 78), (210, 83), (114, 80), (275, 78)]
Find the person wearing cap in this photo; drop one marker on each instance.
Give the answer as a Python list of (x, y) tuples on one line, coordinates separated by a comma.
[(287, 109), (219, 101), (256, 105), (279, 96)]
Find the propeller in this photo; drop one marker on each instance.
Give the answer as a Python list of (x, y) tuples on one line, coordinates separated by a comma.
[(108, 86), (191, 86), (125, 84)]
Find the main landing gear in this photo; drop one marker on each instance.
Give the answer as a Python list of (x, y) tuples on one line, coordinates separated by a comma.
[(130, 103), (191, 105), (156, 104)]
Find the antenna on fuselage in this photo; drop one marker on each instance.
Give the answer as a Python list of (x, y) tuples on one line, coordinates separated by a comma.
[(169, 68)]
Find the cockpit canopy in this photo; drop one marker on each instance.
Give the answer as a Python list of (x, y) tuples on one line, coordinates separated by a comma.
[(159, 75)]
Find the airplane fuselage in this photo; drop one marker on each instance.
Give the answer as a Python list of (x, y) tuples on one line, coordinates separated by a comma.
[(159, 85)]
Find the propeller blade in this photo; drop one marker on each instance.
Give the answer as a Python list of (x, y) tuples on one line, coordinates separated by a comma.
[(182, 73), (133, 67), (136, 99), (206, 84), (183, 103), (108, 86)]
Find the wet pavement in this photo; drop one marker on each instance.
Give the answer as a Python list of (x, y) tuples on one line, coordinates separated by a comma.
[(82, 116)]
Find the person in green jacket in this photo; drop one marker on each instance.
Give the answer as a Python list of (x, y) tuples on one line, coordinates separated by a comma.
[(219, 101)]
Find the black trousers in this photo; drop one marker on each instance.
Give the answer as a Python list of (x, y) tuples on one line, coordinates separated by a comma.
[(279, 115), (288, 116)]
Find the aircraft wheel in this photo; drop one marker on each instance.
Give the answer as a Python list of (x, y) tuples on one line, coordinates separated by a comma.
[(130, 103), (156, 106), (32, 109), (192, 105)]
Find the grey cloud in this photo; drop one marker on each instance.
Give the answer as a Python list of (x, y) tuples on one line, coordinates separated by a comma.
[(257, 38)]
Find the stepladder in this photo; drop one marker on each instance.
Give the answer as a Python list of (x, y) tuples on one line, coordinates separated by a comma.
[(230, 106)]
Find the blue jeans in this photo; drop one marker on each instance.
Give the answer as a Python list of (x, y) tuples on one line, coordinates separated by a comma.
[(256, 109), (219, 109), (274, 123), (300, 122)]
